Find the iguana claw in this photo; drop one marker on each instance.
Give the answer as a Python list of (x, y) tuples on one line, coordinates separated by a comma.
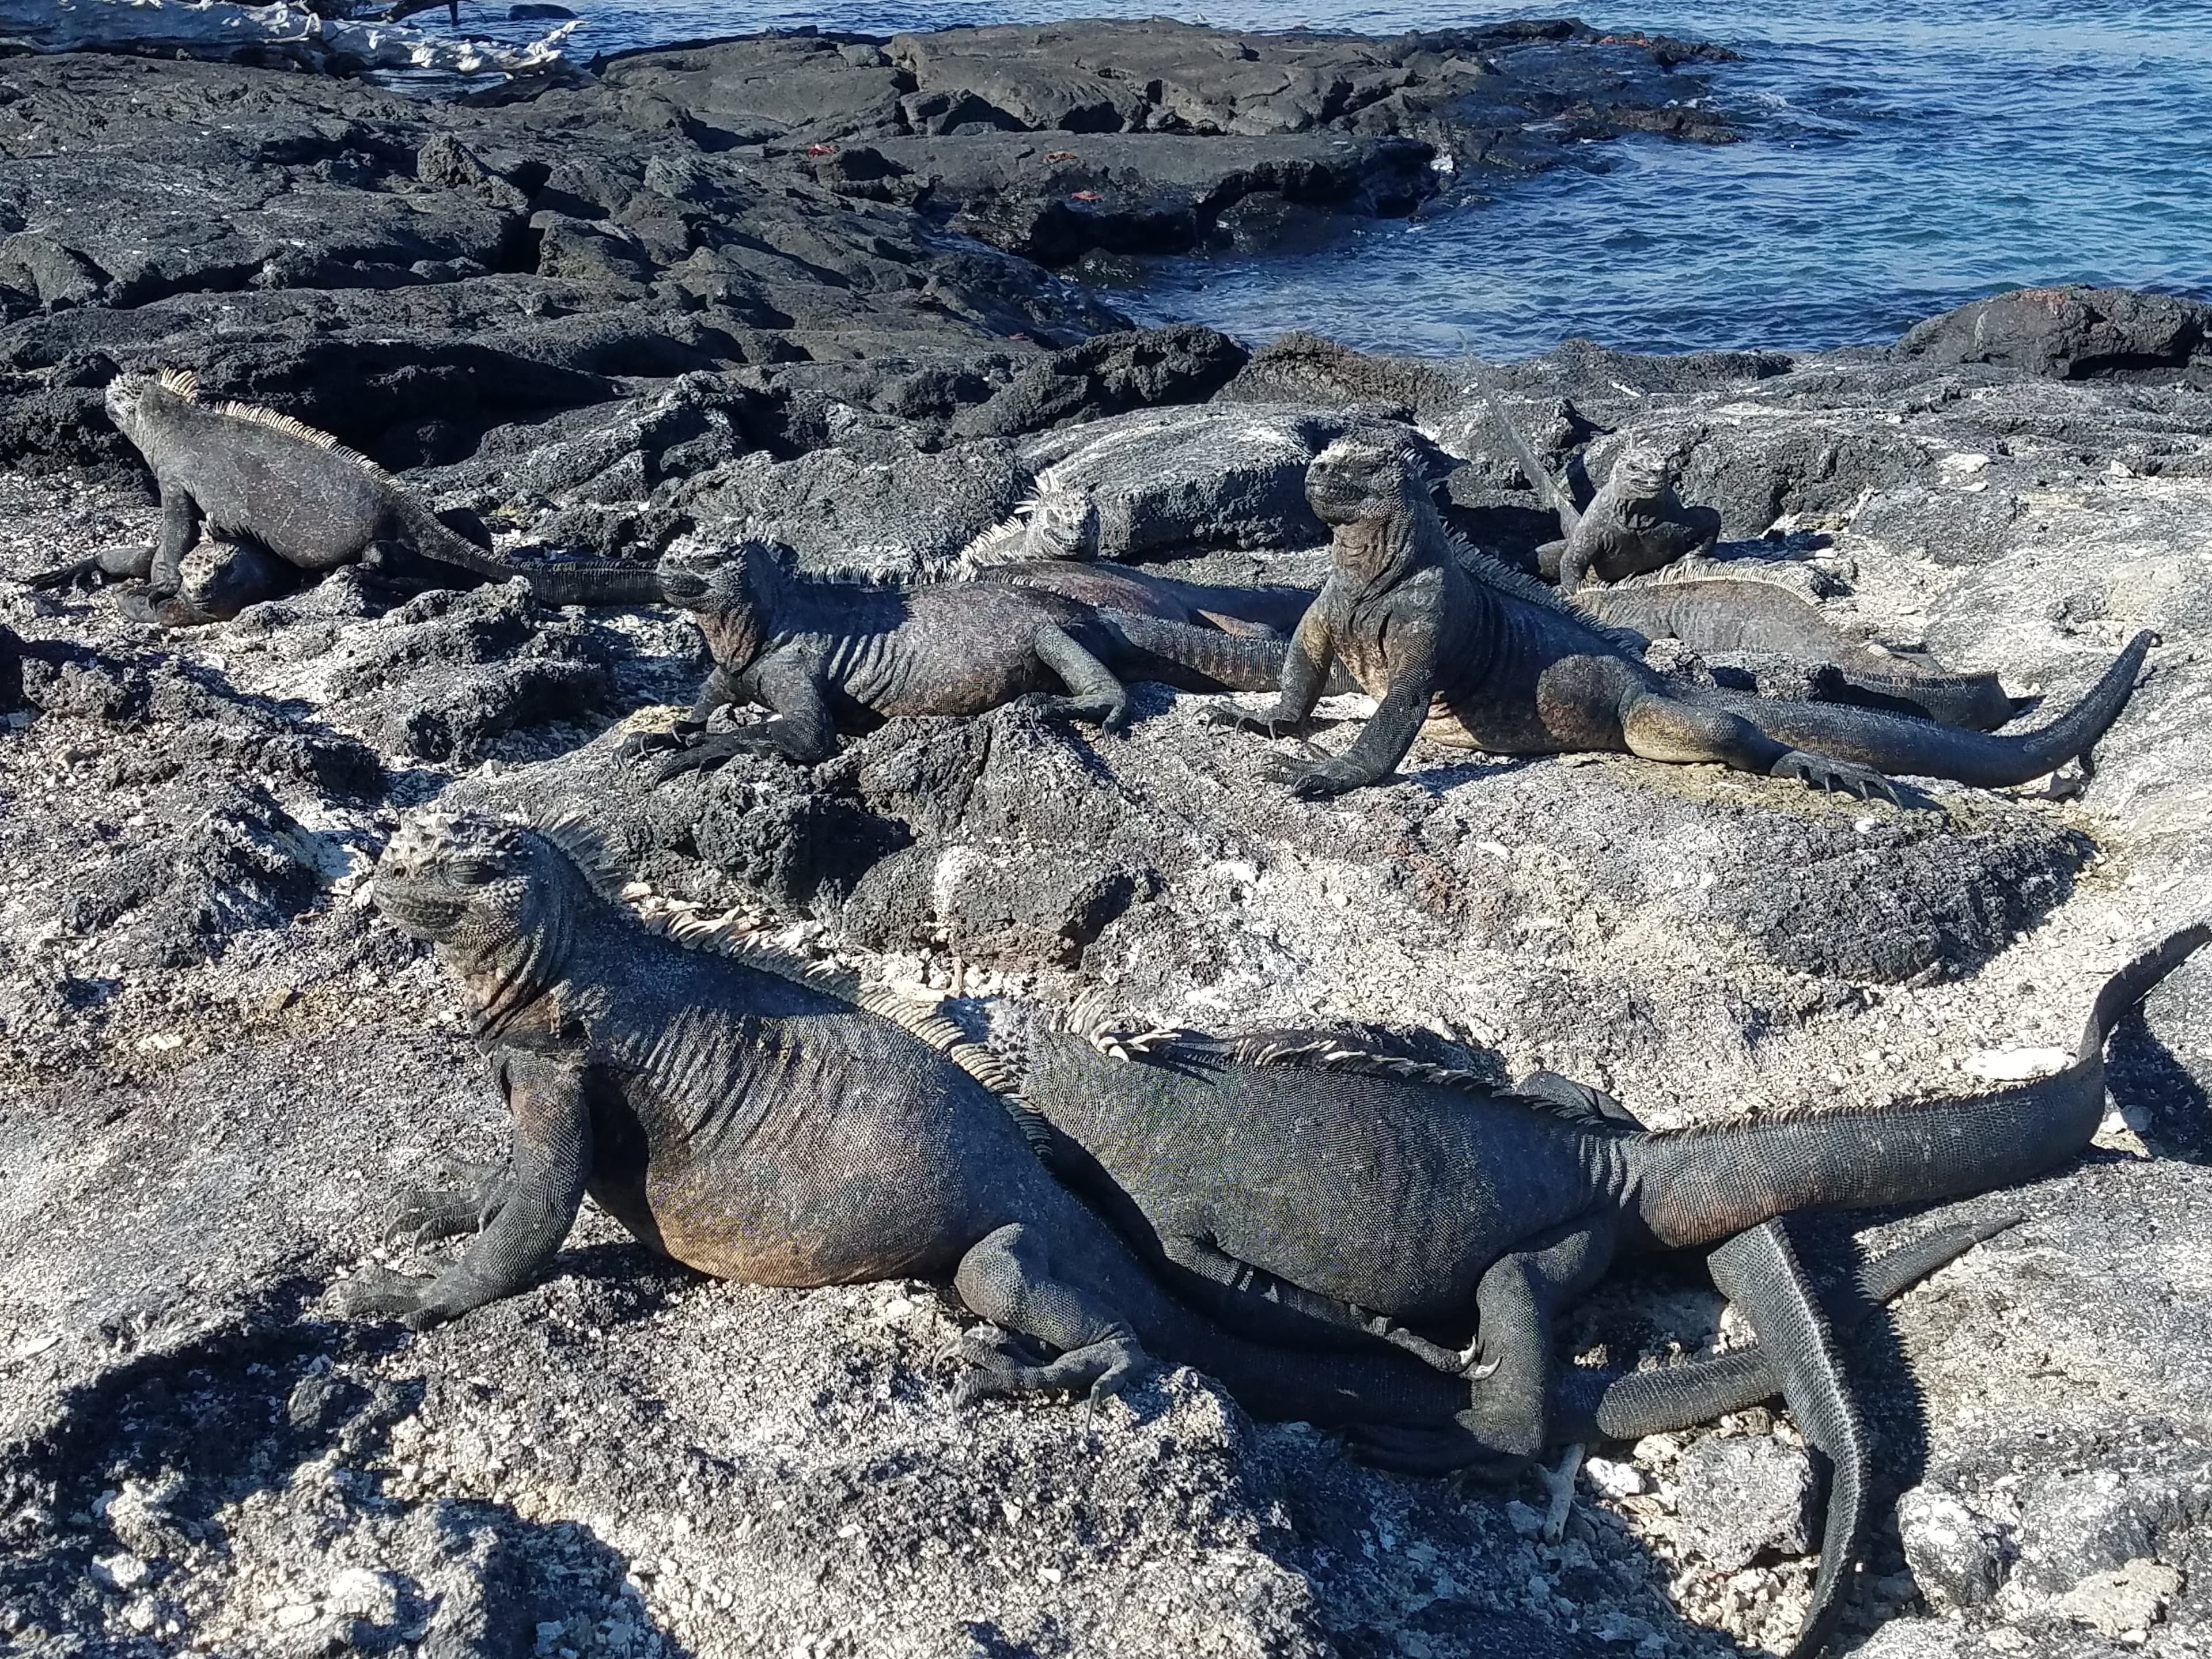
[(83, 572), (639, 744), (1099, 1370), (1306, 782), (380, 1293), (1826, 772), (710, 754), (1236, 719)]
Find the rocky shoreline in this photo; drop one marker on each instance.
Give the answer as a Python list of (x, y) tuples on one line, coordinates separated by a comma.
[(834, 289)]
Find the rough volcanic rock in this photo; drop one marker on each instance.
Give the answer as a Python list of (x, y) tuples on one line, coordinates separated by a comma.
[(2069, 333), (629, 310)]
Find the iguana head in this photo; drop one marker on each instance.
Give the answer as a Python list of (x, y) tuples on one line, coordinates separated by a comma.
[(1641, 471), (1366, 475), (471, 884), (728, 589), (135, 401)]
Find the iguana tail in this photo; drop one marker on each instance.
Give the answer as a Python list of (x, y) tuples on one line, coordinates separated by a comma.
[(591, 581), (1693, 1186), (1194, 659), (1548, 489), (1898, 743)]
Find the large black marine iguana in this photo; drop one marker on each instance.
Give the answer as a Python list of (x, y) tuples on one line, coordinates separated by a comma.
[(1724, 609), (290, 499), (1474, 655), (739, 1116), (832, 656), (1293, 1174)]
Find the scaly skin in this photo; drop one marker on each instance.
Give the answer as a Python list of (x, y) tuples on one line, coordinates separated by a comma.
[(1469, 654), (1290, 1176), (1635, 523), (1730, 613), (841, 656), (756, 1127), (288, 501), (1326, 1184)]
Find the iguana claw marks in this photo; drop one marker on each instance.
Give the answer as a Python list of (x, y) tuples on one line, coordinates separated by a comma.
[(756, 1120), (291, 499), (1457, 647)]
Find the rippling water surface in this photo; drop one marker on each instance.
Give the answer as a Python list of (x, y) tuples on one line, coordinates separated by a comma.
[(1903, 156)]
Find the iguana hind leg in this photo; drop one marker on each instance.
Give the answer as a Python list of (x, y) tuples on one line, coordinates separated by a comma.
[(1093, 693), (1516, 1305), (1007, 1279), (1659, 727)]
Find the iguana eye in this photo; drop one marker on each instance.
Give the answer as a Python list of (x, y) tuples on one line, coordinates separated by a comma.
[(473, 871)]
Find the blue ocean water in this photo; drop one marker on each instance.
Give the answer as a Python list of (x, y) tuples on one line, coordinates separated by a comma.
[(1902, 156)]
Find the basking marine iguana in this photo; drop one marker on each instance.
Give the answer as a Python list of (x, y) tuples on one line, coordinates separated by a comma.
[(832, 656), (735, 1114), (1635, 523), (743, 1114), (1721, 608), (292, 499), (1290, 1173), (1476, 656)]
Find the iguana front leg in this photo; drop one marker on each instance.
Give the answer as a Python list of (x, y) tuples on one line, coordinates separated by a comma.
[(802, 728), (687, 732), (180, 533), (428, 1214), (552, 1161), (1007, 1279), (1305, 674), (110, 564), (1409, 644)]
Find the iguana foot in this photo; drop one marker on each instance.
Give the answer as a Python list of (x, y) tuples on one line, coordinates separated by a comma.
[(1826, 772), (427, 1214), (1308, 782), (1561, 1483), (703, 754), (84, 572), (1103, 1368), (1108, 716), (1228, 714), (380, 1293), (639, 744)]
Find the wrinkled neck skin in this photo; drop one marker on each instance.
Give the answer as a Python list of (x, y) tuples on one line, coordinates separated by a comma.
[(1375, 554), (738, 632), (508, 966)]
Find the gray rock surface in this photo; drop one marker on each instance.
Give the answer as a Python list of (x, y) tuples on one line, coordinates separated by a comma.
[(1743, 1498), (216, 1064)]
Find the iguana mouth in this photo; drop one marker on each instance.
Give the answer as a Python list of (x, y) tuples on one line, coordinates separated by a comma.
[(680, 585), (415, 912)]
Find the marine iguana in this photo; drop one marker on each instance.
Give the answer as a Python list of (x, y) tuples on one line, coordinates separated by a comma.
[(740, 1114), (1471, 655), (1289, 1173), (1635, 523), (1711, 607), (289, 499), (843, 656)]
